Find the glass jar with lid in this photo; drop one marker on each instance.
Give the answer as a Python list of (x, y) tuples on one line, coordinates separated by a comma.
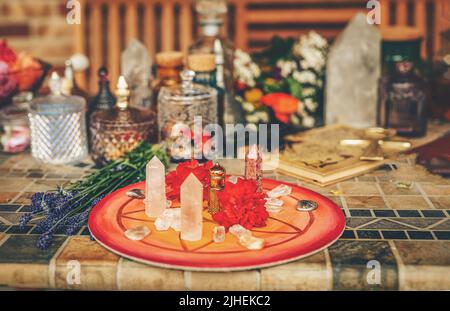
[(120, 129), (14, 132), (58, 126), (178, 107)]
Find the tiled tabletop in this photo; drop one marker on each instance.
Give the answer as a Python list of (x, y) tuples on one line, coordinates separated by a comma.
[(402, 233)]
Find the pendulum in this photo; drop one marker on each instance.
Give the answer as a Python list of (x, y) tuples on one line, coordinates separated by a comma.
[(217, 173), (253, 166)]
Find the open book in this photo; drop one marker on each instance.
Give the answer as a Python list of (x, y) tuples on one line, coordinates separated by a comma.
[(317, 156)]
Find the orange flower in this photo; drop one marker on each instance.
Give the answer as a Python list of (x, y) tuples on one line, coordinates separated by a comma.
[(282, 104), (253, 96)]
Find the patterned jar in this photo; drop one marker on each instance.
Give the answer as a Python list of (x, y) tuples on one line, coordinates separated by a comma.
[(58, 126), (118, 130), (178, 108)]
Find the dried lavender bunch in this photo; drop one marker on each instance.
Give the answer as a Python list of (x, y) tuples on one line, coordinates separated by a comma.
[(68, 208)]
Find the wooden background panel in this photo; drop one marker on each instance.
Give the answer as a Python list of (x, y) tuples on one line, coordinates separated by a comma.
[(171, 24)]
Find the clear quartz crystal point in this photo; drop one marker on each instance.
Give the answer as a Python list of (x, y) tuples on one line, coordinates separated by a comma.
[(191, 196), (155, 190)]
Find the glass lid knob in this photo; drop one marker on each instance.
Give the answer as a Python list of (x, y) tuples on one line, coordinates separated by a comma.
[(55, 83), (187, 76)]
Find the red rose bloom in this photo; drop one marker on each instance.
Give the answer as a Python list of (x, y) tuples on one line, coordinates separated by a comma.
[(7, 54), (175, 178), (241, 204)]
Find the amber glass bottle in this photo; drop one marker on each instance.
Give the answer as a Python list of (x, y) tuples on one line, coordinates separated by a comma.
[(169, 67)]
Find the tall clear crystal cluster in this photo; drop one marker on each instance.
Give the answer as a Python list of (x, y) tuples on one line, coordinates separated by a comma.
[(58, 126)]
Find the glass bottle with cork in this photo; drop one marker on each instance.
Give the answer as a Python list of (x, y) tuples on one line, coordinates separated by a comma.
[(169, 66), (204, 66), (211, 16)]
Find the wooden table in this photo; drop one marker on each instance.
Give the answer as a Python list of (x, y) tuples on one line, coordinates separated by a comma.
[(403, 232)]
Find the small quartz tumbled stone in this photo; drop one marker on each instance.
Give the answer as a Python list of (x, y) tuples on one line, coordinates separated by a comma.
[(246, 238), (137, 233), (219, 234), (170, 218), (252, 243), (162, 224), (274, 205), (239, 231), (274, 202), (278, 191)]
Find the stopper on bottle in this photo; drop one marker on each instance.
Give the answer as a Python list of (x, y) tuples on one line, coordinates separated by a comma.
[(122, 93), (55, 83), (202, 62), (102, 73), (169, 59)]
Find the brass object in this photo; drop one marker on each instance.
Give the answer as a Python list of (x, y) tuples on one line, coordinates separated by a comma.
[(217, 183), (375, 145)]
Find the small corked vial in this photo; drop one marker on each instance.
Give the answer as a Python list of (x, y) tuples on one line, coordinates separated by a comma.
[(217, 183), (202, 62)]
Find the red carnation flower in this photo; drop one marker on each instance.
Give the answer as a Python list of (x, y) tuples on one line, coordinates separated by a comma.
[(175, 178), (241, 204)]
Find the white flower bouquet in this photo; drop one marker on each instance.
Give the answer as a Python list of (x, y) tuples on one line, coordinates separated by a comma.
[(284, 83)]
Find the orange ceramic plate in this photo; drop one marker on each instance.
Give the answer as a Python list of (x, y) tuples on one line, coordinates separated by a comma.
[(289, 235)]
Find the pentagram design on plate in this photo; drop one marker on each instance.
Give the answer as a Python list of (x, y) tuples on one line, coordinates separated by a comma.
[(288, 235)]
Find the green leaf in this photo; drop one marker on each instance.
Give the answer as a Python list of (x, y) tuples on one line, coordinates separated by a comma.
[(295, 88)]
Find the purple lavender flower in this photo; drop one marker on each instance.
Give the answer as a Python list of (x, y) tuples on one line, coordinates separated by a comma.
[(36, 202), (25, 219), (45, 240)]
